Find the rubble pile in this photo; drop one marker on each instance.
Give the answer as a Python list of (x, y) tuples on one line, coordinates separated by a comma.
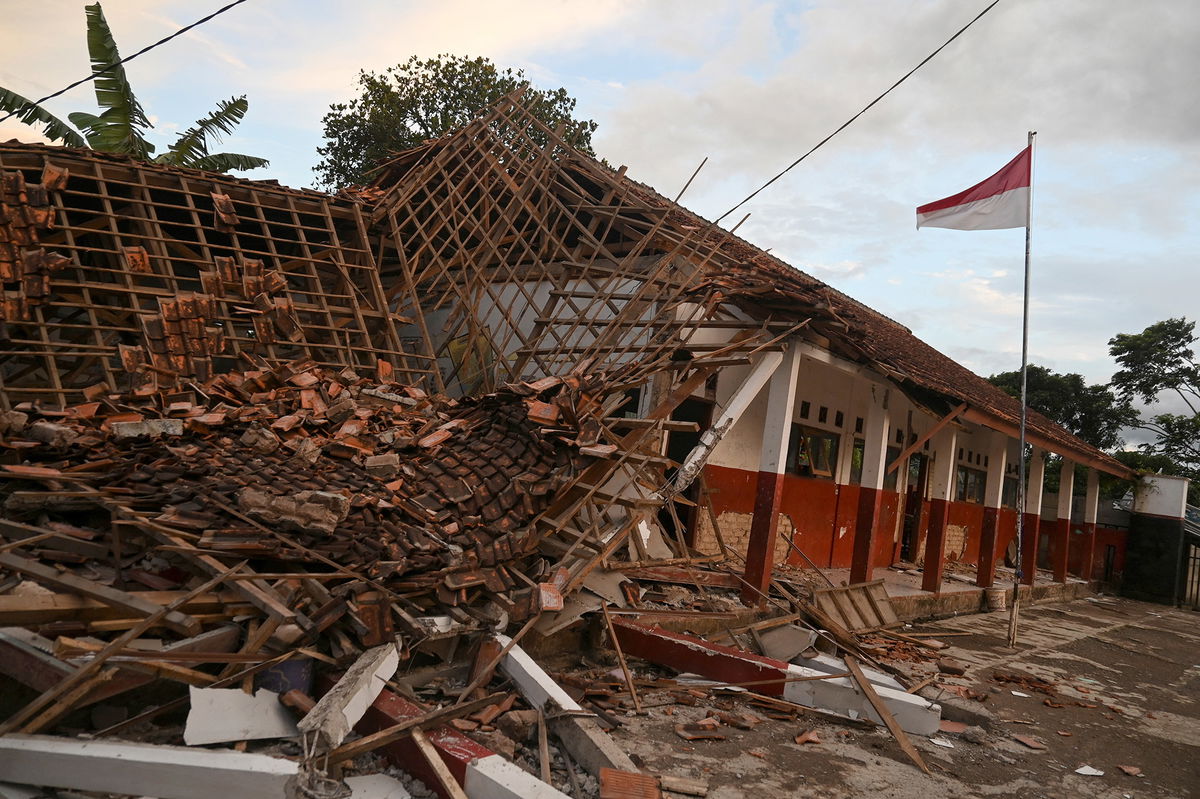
[(286, 533), (294, 467)]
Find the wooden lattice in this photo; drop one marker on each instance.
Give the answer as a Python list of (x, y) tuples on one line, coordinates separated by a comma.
[(520, 258), (133, 274)]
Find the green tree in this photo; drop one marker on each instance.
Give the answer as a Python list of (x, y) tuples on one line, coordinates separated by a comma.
[(121, 125), (1161, 362), (1093, 413), (419, 100)]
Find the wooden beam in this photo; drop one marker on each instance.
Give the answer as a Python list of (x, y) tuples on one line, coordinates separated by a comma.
[(882, 709), (928, 434)]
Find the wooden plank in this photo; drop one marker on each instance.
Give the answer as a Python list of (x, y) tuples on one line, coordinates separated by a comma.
[(180, 622), (846, 612), (863, 606), (23, 658), (369, 743), (450, 787), (878, 596), (43, 609), (882, 709), (54, 696), (612, 635)]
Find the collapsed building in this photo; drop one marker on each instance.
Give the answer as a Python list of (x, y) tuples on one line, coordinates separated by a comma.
[(452, 401)]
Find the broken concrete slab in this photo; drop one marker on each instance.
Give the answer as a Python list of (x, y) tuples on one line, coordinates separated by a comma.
[(787, 641), (165, 772), (221, 715), (830, 664), (840, 694), (340, 709)]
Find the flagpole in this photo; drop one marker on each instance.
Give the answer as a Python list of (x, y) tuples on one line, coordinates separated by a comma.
[(1021, 488)]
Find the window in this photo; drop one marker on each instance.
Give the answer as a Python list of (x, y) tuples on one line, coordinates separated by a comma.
[(812, 453), (856, 461), (970, 485), (890, 479), (1009, 498)]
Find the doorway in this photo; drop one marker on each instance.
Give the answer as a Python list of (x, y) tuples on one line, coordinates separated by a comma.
[(914, 505), (679, 446)]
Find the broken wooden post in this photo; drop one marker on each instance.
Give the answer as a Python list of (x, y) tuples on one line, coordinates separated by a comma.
[(612, 636)]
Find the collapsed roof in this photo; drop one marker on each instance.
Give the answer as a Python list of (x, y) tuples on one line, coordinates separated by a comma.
[(493, 254)]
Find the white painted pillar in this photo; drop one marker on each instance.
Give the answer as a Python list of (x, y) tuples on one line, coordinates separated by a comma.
[(1060, 549), (993, 496), (870, 492), (1091, 511), (1032, 519), (777, 432), (941, 491)]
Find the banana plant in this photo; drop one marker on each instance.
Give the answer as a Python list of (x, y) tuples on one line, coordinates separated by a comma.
[(121, 125)]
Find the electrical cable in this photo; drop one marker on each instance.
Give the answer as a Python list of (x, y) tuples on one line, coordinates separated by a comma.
[(865, 109), (126, 60)]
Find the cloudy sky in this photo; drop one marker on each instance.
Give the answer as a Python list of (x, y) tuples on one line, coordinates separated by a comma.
[(1109, 85)]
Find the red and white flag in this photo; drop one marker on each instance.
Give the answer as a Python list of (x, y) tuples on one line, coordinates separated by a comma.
[(1001, 201)]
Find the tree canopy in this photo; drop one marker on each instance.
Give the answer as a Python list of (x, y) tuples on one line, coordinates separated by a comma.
[(423, 99), (1093, 413), (1157, 363), (121, 125)]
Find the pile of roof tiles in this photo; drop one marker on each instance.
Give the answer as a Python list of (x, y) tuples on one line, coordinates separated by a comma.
[(25, 266), (397, 512)]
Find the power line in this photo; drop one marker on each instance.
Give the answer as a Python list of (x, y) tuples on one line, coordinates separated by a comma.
[(126, 60), (865, 109)]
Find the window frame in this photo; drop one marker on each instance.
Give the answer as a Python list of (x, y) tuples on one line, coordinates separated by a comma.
[(800, 459)]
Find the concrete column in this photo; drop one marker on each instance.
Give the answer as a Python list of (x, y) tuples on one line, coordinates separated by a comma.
[(1060, 549), (1091, 509), (993, 495), (941, 489), (870, 492), (777, 431), (1031, 516)]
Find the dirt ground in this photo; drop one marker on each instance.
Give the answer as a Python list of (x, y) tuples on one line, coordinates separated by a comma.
[(1121, 681)]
